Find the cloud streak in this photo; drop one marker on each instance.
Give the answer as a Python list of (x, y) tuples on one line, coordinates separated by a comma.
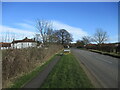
[(76, 32), (27, 31), (28, 28), (10, 33), (113, 39)]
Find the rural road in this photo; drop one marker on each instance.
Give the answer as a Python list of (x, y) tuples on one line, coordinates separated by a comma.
[(104, 68)]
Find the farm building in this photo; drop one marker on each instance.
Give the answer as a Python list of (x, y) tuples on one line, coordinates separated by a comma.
[(4, 45), (24, 43)]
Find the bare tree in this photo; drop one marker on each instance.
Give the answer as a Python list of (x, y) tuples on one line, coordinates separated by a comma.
[(100, 36), (86, 39), (2, 37), (5, 36), (50, 35), (43, 26), (37, 37)]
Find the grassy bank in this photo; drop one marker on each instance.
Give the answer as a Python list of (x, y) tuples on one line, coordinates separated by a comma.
[(18, 62), (106, 53), (102, 52), (67, 73), (21, 81)]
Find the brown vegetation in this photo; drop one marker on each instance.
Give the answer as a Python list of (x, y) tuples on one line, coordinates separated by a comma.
[(20, 61)]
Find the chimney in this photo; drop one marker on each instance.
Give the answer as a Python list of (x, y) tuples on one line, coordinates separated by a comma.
[(13, 40), (25, 37), (34, 39)]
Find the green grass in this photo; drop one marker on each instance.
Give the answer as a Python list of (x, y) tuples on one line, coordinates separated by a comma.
[(27, 77), (107, 53), (67, 73)]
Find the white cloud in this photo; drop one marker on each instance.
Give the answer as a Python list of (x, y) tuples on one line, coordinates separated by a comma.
[(10, 33), (76, 32), (29, 22), (14, 30), (26, 26), (21, 33), (113, 39)]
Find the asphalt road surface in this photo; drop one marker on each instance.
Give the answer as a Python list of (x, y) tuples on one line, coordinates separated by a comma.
[(103, 67)]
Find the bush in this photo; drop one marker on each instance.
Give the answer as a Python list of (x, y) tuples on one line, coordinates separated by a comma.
[(105, 47), (18, 61)]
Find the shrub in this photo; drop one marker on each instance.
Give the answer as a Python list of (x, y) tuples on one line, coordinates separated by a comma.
[(18, 61)]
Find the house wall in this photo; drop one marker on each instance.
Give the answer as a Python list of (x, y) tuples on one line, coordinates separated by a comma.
[(5, 46), (24, 44), (1, 48)]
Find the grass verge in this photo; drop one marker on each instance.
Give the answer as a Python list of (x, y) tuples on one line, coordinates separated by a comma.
[(106, 53), (27, 77), (67, 73)]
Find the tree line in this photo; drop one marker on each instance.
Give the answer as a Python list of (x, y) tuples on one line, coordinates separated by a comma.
[(99, 37), (47, 35)]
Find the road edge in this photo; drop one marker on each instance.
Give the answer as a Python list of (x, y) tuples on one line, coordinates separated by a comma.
[(92, 78), (28, 85)]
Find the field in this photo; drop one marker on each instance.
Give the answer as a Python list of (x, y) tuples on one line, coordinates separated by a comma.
[(67, 73)]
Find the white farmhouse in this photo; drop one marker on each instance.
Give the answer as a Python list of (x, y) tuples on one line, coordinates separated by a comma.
[(5, 45), (25, 43)]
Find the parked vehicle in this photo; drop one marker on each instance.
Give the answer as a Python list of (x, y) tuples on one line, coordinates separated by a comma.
[(66, 51)]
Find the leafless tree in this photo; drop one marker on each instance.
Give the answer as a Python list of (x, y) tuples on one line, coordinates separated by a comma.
[(5, 37), (100, 36), (43, 26), (2, 38), (37, 37), (86, 39), (50, 35)]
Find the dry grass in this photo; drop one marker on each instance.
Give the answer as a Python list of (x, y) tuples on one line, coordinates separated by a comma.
[(19, 61)]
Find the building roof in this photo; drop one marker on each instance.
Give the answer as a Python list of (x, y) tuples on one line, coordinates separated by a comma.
[(91, 44), (24, 40), (4, 44)]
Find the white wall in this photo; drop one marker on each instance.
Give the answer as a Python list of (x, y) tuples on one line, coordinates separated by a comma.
[(24, 44), (4, 48)]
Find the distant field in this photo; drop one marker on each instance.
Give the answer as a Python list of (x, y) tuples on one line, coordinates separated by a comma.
[(67, 73)]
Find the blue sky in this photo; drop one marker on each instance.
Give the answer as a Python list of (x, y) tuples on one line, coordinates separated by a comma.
[(79, 18)]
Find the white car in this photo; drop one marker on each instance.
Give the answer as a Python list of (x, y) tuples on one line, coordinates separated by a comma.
[(66, 51)]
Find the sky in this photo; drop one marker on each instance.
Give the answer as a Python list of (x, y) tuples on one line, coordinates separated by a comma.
[(78, 18)]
